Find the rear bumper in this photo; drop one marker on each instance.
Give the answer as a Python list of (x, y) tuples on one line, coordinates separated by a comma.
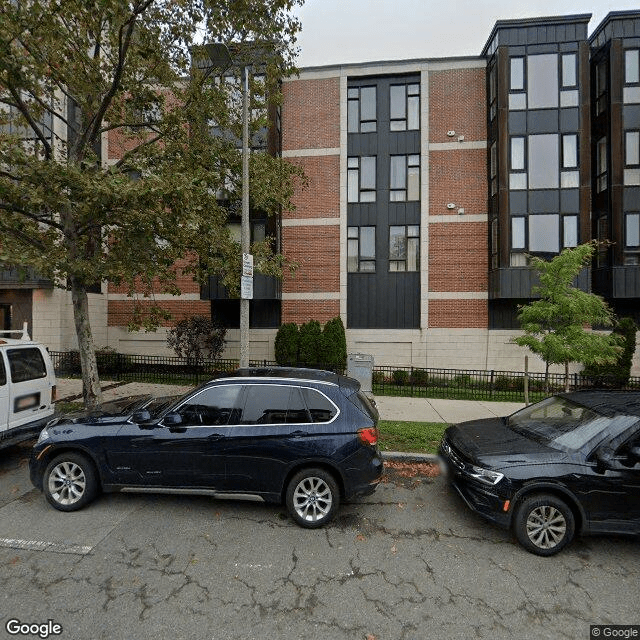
[(364, 480)]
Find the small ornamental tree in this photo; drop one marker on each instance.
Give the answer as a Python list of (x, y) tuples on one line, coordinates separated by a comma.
[(196, 338), (555, 325), (310, 343), (334, 345), (287, 344), (616, 374)]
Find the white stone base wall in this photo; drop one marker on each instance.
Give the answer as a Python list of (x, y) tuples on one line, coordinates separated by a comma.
[(52, 319)]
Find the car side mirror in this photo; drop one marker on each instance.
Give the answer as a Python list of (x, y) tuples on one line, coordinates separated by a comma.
[(141, 416), (172, 420), (635, 453)]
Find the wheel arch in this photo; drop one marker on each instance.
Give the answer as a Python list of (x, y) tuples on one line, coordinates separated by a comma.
[(50, 455), (312, 464), (555, 490)]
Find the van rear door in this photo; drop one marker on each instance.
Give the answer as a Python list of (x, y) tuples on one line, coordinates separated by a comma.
[(32, 379), (4, 394)]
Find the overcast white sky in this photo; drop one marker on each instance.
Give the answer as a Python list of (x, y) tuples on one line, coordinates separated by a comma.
[(339, 31)]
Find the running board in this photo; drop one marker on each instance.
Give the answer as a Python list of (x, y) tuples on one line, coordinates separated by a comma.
[(195, 492)]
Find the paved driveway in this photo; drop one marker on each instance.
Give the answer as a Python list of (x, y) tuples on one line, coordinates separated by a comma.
[(408, 562)]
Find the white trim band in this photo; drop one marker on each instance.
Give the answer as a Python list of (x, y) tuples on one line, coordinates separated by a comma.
[(310, 222), (310, 153), (317, 295), (458, 295)]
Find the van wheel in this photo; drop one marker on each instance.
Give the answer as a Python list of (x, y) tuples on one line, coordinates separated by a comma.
[(544, 524), (70, 482), (312, 497)]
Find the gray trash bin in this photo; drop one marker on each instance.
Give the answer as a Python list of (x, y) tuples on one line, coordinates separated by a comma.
[(360, 367)]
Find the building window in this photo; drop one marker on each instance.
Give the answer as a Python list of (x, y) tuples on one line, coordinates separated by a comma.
[(494, 243), (544, 233), (601, 165), (601, 87), (631, 66), (361, 179), (404, 248), (404, 183), (602, 231), (543, 161), (361, 109), (492, 92), (632, 230), (568, 178), (518, 169), (632, 158), (404, 107), (518, 239), (569, 231), (542, 81), (517, 95), (361, 249), (493, 168), (569, 71)]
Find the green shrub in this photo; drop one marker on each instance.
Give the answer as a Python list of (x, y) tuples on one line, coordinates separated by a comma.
[(310, 343), (419, 378), (400, 377), (378, 377), (197, 338), (333, 349), (287, 344)]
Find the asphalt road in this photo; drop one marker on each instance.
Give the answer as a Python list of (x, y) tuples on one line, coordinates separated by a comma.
[(408, 562)]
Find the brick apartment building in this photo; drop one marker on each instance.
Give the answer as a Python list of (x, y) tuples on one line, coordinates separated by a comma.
[(430, 183)]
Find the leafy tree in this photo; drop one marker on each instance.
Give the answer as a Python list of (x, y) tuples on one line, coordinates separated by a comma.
[(286, 344), (554, 325), (617, 373), (310, 343), (196, 338), (73, 72)]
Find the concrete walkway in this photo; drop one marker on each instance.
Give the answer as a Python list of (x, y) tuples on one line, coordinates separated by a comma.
[(390, 408)]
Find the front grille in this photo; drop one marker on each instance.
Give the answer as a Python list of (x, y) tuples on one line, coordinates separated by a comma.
[(452, 455)]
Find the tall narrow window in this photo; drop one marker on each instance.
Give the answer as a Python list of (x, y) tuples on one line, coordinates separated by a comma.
[(632, 158), (404, 248), (518, 240), (517, 174), (544, 159), (517, 95), (602, 87), (569, 231), (542, 81), (493, 168), (601, 165), (361, 179), (404, 182), (404, 106), (361, 249), (631, 66), (569, 176), (632, 234), (492, 92), (361, 109), (569, 81)]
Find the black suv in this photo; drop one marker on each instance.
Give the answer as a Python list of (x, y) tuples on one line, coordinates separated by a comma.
[(568, 464), (304, 437)]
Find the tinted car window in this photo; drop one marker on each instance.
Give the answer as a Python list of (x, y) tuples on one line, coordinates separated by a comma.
[(26, 364), (3, 372), (266, 404), (297, 412), (320, 407), (213, 406)]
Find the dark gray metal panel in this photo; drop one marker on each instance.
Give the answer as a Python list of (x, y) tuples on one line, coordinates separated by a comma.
[(24, 278), (519, 282), (536, 49), (569, 120), (518, 202), (626, 282), (544, 201), (631, 199), (264, 288), (383, 301), (542, 121), (631, 116), (517, 122), (569, 201)]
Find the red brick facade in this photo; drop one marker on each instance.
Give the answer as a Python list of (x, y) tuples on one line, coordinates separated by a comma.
[(120, 312), (301, 311), (320, 198), (458, 314)]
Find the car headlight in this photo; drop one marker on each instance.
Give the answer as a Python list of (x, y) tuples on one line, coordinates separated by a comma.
[(44, 435), (484, 475)]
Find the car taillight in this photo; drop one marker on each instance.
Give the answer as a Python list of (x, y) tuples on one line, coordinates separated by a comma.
[(368, 436)]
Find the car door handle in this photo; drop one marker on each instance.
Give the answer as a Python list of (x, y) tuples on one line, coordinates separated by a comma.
[(298, 433)]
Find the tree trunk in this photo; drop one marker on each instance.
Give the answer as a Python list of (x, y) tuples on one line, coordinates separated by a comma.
[(546, 376), (91, 392), (566, 376)]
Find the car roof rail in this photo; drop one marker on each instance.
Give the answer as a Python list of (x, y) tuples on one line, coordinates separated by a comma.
[(24, 332)]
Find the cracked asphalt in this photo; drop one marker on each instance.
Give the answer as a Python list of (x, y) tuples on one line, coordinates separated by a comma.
[(408, 562)]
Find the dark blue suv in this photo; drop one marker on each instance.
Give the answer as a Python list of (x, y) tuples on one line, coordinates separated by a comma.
[(304, 437)]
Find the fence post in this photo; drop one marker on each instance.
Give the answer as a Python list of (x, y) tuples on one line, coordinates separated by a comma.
[(575, 381), (411, 379), (526, 380), (491, 384), (119, 359)]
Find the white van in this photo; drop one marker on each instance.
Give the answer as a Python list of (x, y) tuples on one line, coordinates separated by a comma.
[(27, 387)]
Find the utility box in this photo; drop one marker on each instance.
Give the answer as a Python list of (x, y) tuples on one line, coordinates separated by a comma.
[(360, 367)]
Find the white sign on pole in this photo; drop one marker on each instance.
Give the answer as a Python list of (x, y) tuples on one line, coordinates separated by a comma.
[(246, 287), (247, 264)]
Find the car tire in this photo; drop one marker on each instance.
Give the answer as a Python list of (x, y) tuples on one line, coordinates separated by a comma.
[(70, 482), (544, 524), (312, 497)]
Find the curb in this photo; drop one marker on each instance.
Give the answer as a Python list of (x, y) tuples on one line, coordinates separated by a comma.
[(402, 456)]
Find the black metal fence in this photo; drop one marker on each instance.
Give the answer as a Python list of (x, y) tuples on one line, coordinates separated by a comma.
[(395, 381)]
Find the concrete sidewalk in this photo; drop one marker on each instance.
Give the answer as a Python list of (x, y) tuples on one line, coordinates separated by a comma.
[(390, 408)]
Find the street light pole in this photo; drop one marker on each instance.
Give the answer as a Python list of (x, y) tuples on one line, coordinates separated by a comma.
[(245, 230)]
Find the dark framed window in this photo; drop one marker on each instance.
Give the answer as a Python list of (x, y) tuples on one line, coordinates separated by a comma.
[(518, 163), (569, 231), (361, 110), (544, 233), (361, 179), (361, 249), (320, 407), (632, 66), (494, 243), (404, 107), (273, 404), (493, 168), (26, 364), (632, 148), (404, 248), (569, 176), (518, 233), (569, 71), (602, 86), (212, 406), (404, 182), (542, 81), (517, 84), (632, 230), (601, 165), (493, 92)]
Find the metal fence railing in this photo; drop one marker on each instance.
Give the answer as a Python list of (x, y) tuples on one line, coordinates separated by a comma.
[(387, 380)]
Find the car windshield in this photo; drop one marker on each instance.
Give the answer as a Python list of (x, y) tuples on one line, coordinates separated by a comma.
[(561, 424)]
